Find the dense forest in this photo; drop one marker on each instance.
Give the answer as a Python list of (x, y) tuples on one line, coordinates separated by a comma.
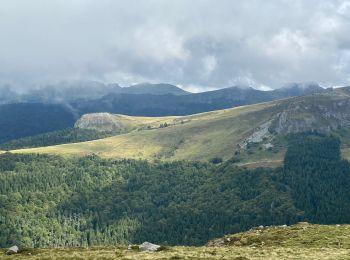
[(69, 135), (318, 178), (54, 201)]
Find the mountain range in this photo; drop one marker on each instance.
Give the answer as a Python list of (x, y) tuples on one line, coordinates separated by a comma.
[(68, 91)]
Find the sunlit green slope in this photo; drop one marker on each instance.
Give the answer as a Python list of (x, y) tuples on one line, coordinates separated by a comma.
[(196, 137), (254, 134)]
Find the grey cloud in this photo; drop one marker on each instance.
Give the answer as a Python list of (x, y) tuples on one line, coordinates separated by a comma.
[(196, 43)]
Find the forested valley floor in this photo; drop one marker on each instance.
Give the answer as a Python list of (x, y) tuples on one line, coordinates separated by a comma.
[(52, 201)]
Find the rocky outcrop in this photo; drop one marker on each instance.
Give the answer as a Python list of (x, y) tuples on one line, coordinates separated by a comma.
[(258, 135), (321, 113), (103, 122), (146, 247), (313, 114)]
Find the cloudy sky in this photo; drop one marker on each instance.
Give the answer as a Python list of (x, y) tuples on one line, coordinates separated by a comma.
[(198, 44)]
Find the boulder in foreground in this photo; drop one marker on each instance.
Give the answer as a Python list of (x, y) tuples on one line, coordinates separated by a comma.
[(12, 250), (146, 246)]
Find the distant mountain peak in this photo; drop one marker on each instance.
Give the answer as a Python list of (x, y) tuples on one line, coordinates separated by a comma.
[(302, 85), (154, 89), (299, 89)]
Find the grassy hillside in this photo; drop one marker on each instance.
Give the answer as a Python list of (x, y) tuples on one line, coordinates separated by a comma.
[(303, 235), (301, 241), (197, 137), (254, 134)]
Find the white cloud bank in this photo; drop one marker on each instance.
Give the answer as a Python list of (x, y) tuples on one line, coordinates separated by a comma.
[(189, 43)]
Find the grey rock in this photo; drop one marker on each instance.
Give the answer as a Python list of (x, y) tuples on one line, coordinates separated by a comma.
[(12, 250), (100, 122), (147, 246), (258, 135)]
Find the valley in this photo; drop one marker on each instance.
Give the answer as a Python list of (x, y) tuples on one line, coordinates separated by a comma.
[(163, 179), (174, 130)]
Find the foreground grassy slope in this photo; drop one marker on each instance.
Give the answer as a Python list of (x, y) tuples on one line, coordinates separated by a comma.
[(303, 235), (301, 241)]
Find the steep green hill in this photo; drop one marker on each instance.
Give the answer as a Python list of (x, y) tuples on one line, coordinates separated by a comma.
[(197, 137), (255, 135)]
